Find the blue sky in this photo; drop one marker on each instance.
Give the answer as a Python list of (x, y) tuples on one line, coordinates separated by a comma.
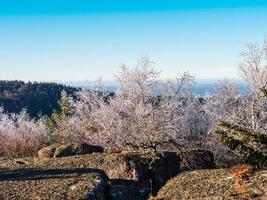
[(74, 40)]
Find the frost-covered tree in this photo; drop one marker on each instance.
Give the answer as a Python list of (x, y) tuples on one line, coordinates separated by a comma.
[(21, 136), (243, 127), (145, 112), (254, 71)]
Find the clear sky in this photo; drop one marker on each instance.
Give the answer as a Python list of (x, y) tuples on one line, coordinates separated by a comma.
[(74, 40)]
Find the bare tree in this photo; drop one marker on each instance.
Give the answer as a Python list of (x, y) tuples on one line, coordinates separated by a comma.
[(253, 69)]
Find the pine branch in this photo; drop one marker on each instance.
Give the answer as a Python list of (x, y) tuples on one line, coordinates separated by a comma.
[(249, 146)]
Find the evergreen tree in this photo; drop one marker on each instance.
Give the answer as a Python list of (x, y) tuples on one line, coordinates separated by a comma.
[(250, 147), (37, 98), (54, 122)]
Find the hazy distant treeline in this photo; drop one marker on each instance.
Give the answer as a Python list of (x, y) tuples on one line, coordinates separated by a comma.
[(36, 97)]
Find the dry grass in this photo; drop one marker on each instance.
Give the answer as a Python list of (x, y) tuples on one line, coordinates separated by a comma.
[(241, 174)]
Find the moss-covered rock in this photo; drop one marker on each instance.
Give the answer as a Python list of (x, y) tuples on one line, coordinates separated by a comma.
[(216, 184)]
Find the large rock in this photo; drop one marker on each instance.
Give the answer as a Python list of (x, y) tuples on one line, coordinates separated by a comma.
[(63, 150), (84, 148), (47, 152), (196, 159), (53, 183), (76, 149), (166, 166)]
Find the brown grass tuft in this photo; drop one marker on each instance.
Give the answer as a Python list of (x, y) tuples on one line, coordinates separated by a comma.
[(241, 174)]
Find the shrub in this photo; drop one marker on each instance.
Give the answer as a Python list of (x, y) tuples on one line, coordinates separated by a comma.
[(21, 136)]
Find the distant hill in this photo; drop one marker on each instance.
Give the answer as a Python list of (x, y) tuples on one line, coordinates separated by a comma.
[(36, 97)]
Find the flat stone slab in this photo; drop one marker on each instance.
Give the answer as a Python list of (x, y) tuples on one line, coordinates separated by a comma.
[(54, 183)]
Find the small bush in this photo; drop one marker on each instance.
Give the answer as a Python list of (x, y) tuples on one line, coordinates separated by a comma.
[(21, 136)]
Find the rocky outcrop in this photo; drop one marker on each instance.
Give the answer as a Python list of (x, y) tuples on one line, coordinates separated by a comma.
[(149, 170), (55, 184), (169, 164), (63, 150), (164, 167), (196, 159), (133, 175), (213, 184)]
